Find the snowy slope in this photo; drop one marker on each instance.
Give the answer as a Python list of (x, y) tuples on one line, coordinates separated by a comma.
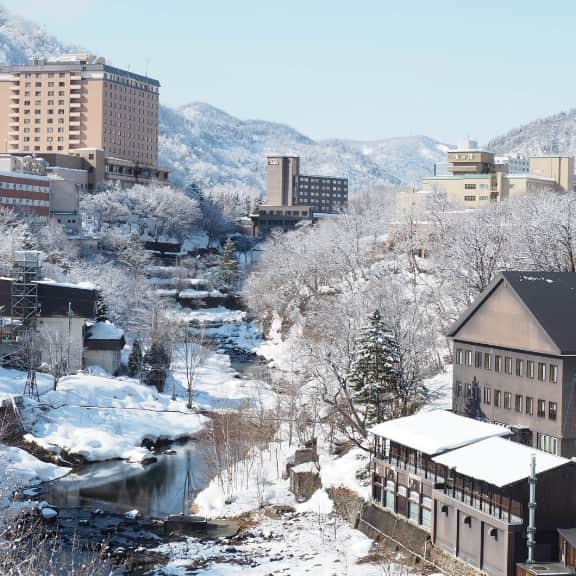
[(206, 145), (552, 135), (22, 39)]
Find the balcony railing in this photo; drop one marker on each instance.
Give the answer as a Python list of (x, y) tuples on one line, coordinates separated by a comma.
[(498, 506)]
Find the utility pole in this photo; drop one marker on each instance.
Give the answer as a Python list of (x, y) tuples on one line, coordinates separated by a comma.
[(532, 511), (69, 336)]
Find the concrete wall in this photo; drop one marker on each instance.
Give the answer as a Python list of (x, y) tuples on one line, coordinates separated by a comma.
[(484, 542), (560, 168), (377, 520), (58, 332), (107, 359)]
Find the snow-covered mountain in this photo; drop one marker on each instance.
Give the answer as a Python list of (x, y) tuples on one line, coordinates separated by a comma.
[(552, 135), (204, 144), (21, 39)]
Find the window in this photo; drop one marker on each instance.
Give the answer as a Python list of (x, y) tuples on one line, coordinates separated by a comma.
[(507, 400), (469, 186), (497, 398), (487, 395), (475, 391), (547, 443), (497, 363), (508, 365), (553, 373), (529, 405), (468, 357), (541, 412), (541, 371), (530, 369), (477, 359), (487, 361), (484, 197), (518, 403), (469, 198), (459, 356), (552, 410), (468, 390), (458, 388), (520, 368)]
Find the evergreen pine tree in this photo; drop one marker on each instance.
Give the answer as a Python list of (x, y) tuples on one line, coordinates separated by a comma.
[(375, 376), (101, 308), (228, 265), (135, 359), (157, 362)]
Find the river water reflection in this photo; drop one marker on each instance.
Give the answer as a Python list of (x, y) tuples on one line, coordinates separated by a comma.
[(167, 486)]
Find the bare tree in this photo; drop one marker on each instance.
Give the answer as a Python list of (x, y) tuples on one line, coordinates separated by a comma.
[(195, 352)]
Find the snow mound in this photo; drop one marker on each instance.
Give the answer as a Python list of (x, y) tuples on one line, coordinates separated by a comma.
[(319, 503), (103, 418)]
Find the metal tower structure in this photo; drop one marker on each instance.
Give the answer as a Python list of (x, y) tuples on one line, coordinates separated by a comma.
[(24, 295), (24, 304)]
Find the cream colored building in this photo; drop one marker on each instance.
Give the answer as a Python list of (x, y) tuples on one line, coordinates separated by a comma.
[(79, 102), (476, 179)]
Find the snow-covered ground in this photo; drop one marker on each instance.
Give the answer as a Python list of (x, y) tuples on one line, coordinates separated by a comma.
[(103, 418), (305, 542)]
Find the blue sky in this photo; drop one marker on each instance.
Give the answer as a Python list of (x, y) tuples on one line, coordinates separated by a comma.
[(361, 69)]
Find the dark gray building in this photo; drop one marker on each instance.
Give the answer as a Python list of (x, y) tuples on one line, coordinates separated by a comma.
[(515, 358), (292, 197), (325, 194)]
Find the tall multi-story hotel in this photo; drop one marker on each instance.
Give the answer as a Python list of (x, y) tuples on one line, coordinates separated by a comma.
[(292, 197), (80, 106)]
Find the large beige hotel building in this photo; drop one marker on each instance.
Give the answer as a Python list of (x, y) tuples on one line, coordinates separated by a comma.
[(77, 105)]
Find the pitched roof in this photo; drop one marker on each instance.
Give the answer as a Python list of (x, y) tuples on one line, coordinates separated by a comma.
[(54, 299), (437, 431), (549, 296), (498, 461)]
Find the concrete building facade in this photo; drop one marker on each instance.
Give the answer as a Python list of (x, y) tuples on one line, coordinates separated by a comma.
[(515, 362), (79, 105), (79, 101), (476, 178), (292, 197)]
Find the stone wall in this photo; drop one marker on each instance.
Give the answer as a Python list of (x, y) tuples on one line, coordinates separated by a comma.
[(376, 521), (304, 483), (449, 564), (347, 504)]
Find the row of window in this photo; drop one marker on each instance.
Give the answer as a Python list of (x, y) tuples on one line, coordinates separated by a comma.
[(473, 198), (504, 400), (39, 84), (39, 75), (38, 111), (507, 364), (38, 94), (25, 187), (39, 121), (23, 202)]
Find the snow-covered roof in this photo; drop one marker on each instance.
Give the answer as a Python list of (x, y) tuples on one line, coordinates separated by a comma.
[(437, 431), (104, 331), (498, 461), (79, 286)]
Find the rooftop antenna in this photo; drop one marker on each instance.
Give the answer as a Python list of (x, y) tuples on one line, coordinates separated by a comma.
[(147, 66), (532, 511)]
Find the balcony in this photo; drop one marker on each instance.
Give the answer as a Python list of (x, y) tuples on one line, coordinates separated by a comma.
[(76, 114), (74, 132), (14, 106), (75, 104), (75, 123), (495, 504)]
